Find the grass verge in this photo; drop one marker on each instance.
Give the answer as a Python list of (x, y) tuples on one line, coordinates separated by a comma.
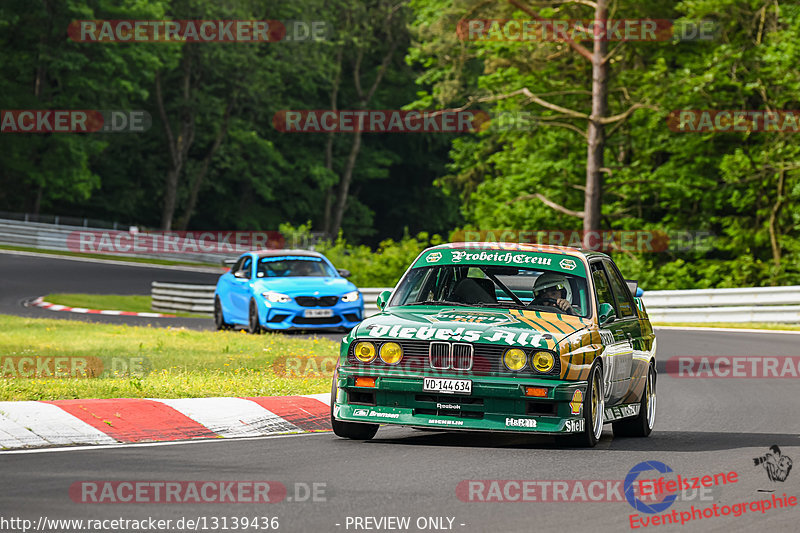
[(123, 258), (137, 303), (145, 362), (734, 325)]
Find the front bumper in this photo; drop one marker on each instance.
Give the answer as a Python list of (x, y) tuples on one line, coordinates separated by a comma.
[(495, 404), (290, 315)]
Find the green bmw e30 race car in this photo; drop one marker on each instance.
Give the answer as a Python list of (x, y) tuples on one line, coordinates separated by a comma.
[(501, 337)]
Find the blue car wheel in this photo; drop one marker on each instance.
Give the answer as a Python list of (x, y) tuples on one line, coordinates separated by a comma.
[(253, 324)]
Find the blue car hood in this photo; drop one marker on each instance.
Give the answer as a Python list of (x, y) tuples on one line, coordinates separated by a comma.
[(302, 286)]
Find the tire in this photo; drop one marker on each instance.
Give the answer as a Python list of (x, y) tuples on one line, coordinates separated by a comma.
[(219, 317), (593, 413), (253, 324), (350, 430), (641, 425)]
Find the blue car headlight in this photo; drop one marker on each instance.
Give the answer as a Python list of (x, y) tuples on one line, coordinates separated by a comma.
[(276, 297), (352, 296)]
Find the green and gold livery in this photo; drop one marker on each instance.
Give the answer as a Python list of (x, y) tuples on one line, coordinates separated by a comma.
[(515, 368)]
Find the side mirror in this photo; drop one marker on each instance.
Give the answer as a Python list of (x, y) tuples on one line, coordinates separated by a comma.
[(343, 272), (383, 299), (607, 314)]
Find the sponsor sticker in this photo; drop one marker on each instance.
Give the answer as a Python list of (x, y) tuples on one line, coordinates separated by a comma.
[(567, 264), (621, 411), (446, 422), (361, 412), (521, 422), (575, 426), (434, 257), (475, 317), (425, 333), (575, 406)]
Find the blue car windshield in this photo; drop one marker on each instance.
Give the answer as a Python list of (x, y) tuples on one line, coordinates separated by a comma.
[(292, 266)]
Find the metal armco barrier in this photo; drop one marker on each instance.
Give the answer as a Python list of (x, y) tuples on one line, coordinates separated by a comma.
[(184, 297), (754, 304), (56, 237), (199, 299), (757, 304)]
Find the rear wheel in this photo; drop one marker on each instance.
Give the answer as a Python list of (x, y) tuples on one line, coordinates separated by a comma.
[(253, 324), (641, 425), (593, 411), (350, 430), (219, 318)]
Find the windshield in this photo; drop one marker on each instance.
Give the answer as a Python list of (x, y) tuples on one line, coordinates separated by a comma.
[(505, 287), (285, 266)]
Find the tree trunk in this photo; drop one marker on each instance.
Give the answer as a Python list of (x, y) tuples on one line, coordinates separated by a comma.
[(596, 131), (327, 219), (773, 229), (197, 183), (178, 148), (344, 187)]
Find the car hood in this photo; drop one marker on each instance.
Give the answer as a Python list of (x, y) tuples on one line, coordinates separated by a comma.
[(305, 286), (462, 324)]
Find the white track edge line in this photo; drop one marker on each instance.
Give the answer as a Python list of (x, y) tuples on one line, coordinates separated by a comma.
[(147, 444), (728, 330)]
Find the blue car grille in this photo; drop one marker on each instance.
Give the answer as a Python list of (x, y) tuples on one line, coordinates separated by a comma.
[(313, 301)]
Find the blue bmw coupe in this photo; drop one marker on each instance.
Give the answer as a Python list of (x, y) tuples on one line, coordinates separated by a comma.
[(286, 289)]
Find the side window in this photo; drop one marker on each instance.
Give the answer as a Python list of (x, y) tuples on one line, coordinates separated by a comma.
[(621, 293), (243, 267), (602, 286)]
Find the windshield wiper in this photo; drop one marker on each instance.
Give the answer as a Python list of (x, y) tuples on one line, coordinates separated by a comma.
[(441, 302)]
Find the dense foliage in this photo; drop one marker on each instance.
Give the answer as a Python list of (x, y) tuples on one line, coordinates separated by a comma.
[(239, 172)]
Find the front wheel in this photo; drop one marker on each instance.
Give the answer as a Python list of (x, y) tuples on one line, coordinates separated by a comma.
[(253, 324), (593, 412), (219, 318), (350, 430), (641, 425)]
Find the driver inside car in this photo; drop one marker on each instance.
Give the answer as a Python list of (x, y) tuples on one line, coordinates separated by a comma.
[(553, 290)]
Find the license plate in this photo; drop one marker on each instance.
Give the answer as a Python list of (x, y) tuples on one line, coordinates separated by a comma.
[(318, 313), (447, 386)]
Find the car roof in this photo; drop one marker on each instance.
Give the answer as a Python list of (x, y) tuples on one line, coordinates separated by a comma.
[(520, 247), (282, 252)]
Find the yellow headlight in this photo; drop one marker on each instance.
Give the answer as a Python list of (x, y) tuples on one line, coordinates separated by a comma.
[(543, 361), (391, 353), (514, 359), (365, 352)]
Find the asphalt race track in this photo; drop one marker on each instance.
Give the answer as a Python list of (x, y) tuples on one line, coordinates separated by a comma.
[(24, 277), (704, 427)]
